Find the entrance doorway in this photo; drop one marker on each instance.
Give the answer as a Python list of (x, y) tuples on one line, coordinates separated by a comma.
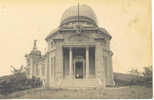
[(79, 70)]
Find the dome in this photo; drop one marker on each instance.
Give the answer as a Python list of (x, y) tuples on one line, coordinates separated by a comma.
[(83, 13)]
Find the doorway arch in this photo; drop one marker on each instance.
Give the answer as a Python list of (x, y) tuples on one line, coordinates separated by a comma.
[(79, 67)]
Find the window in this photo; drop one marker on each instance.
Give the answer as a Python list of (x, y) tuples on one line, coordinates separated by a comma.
[(52, 44)]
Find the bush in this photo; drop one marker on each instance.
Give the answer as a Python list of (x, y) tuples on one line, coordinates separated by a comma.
[(147, 76), (18, 82)]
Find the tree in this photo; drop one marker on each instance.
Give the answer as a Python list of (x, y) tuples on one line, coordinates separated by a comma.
[(18, 71), (134, 72), (148, 72), (147, 75), (137, 77)]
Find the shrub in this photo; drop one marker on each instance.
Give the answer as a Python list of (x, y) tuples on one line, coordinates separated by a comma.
[(18, 82)]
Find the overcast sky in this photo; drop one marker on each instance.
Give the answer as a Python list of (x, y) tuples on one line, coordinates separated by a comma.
[(128, 21)]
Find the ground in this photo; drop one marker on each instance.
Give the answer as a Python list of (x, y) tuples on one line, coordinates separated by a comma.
[(138, 92)]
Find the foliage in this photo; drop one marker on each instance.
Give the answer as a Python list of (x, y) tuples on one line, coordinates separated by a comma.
[(18, 81), (148, 73), (122, 79), (147, 76), (17, 71), (135, 78)]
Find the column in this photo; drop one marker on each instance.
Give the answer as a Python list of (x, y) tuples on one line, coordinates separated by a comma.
[(49, 69), (70, 62), (45, 74), (31, 68), (111, 81), (99, 64), (87, 62), (34, 70), (59, 62)]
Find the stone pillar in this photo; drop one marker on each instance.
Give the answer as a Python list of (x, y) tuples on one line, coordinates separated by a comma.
[(54, 68), (31, 68), (70, 63), (99, 64), (38, 70), (87, 62), (49, 69), (48, 75), (59, 62), (46, 71), (34, 69), (110, 70)]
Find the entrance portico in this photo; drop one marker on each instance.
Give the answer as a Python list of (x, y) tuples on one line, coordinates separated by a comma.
[(78, 66)]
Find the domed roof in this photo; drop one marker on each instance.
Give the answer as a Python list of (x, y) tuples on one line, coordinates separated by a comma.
[(81, 12)]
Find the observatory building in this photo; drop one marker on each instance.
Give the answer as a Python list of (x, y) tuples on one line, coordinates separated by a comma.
[(78, 54)]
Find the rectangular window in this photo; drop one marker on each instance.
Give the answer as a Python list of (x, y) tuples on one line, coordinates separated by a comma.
[(52, 44)]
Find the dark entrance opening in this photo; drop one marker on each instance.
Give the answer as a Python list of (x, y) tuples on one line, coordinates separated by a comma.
[(79, 70)]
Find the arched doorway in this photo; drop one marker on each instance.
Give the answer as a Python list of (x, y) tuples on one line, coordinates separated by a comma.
[(79, 67)]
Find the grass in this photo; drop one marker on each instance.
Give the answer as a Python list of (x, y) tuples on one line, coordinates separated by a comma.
[(133, 92)]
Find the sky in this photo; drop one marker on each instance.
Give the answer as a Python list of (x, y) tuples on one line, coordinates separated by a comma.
[(128, 21)]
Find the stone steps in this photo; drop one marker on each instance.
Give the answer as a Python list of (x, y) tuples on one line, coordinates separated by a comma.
[(79, 83)]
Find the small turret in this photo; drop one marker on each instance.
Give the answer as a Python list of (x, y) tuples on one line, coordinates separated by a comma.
[(32, 60), (35, 51)]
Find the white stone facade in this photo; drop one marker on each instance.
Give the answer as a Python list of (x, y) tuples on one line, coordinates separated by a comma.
[(77, 50)]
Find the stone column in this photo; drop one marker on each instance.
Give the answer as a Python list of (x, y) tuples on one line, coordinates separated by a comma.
[(110, 70), (49, 69), (99, 64), (34, 68), (46, 71), (87, 62), (59, 62), (70, 63), (31, 68), (54, 68)]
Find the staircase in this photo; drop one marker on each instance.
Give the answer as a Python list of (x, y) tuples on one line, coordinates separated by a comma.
[(79, 83)]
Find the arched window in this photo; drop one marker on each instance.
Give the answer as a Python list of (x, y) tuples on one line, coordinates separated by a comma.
[(52, 44)]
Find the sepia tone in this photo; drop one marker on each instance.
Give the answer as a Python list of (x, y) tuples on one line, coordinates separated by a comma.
[(78, 53), (80, 58)]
